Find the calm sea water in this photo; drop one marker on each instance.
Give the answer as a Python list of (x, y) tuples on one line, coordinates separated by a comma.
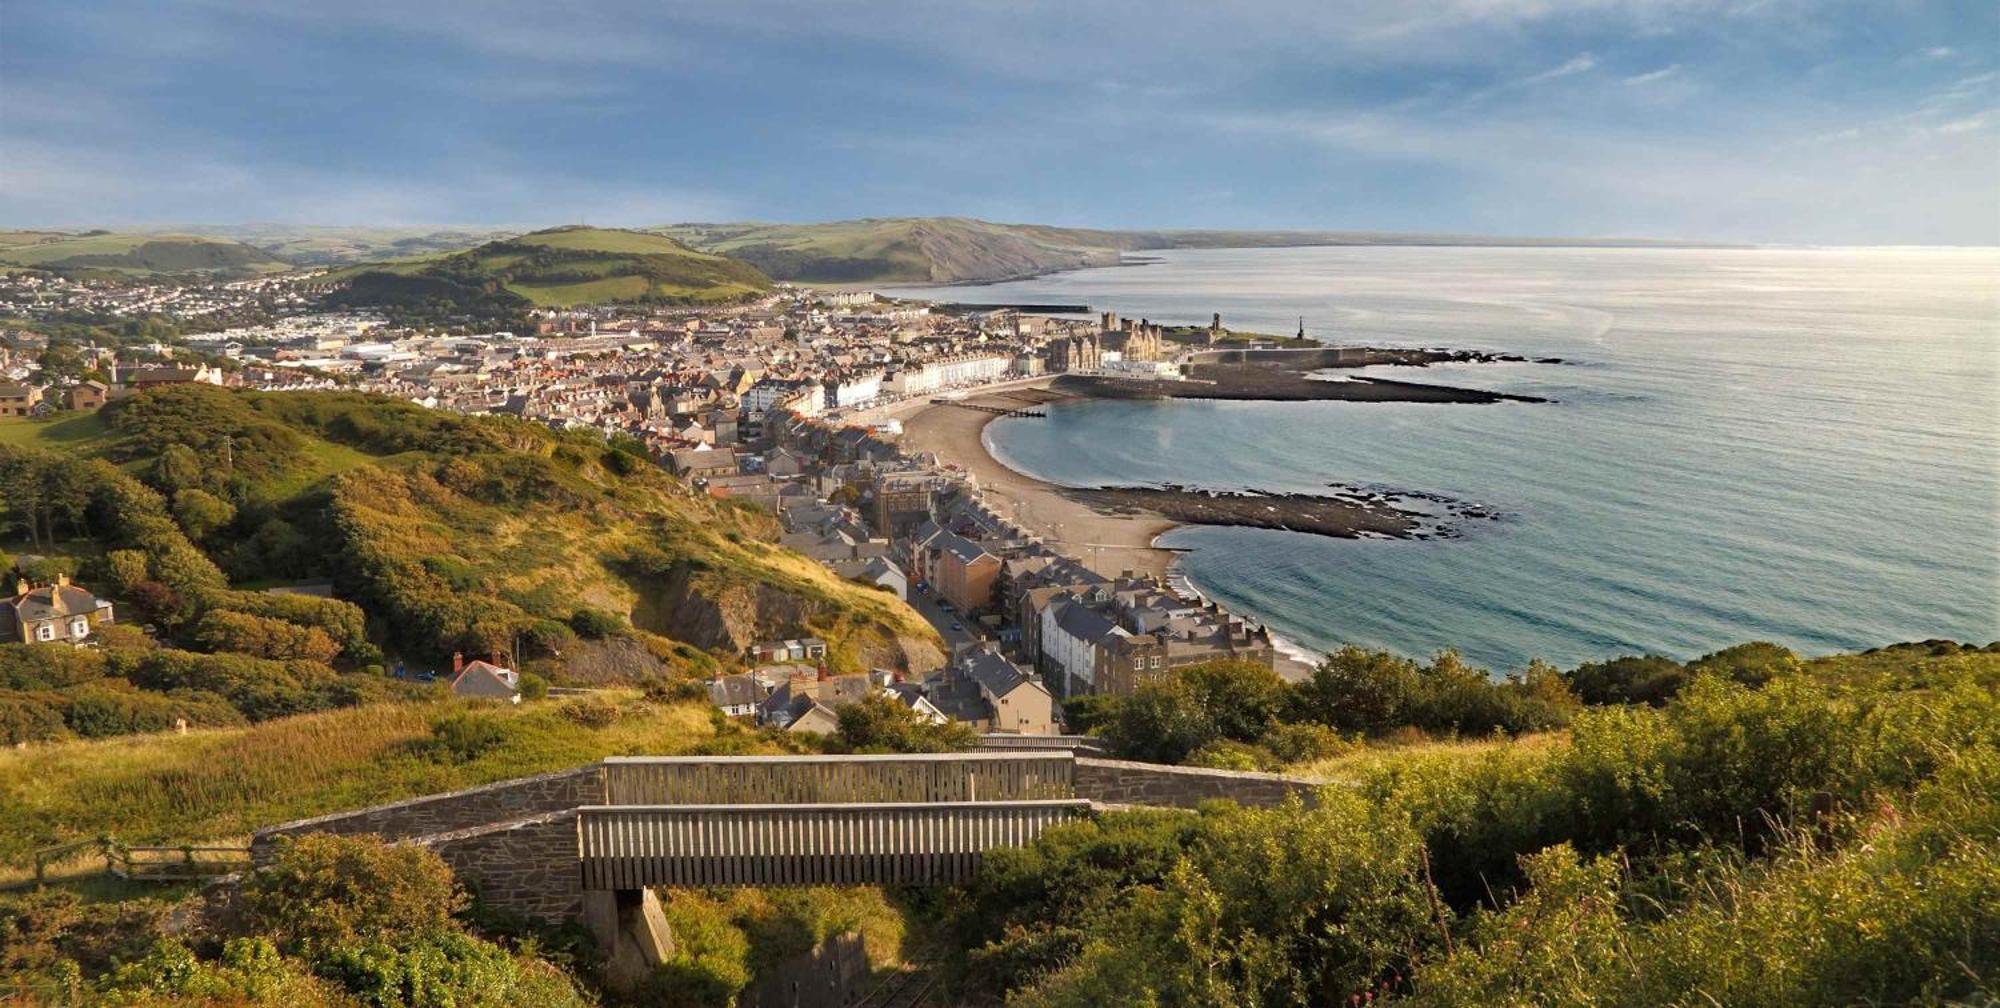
[(1791, 445)]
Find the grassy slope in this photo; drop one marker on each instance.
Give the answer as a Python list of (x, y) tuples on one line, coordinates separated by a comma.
[(563, 267), (908, 249), (136, 254), (221, 784)]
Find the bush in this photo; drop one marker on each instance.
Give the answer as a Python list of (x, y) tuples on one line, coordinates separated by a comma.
[(323, 892), (464, 736), (596, 624), (878, 724), (533, 687), (222, 630), (1170, 717)]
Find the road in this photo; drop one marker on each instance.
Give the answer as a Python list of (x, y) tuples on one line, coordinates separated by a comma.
[(927, 607)]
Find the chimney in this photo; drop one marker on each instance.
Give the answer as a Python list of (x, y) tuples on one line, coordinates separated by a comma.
[(494, 660), (62, 580), (22, 586), (823, 674), (457, 662)]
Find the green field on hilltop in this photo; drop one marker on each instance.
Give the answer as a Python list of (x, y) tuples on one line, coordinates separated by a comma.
[(558, 268), (136, 255)]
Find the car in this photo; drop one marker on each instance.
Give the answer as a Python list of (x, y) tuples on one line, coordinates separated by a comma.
[(958, 626)]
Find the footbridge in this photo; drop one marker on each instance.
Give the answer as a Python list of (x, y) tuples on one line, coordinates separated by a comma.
[(595, 842)]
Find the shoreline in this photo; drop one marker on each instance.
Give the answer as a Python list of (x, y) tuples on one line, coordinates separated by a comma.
[(1108, 543)]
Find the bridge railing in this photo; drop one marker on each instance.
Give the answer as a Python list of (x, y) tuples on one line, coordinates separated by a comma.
[(809, 780), (626, 847)]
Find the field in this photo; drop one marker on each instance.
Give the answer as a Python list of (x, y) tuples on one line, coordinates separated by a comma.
[(136, 254), (67, 433)]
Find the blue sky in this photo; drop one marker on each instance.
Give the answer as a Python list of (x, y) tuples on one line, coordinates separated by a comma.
[(1759, 120)]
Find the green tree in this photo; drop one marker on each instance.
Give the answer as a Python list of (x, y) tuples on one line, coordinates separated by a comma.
[(879, 724), (202, 514), (323, 891)]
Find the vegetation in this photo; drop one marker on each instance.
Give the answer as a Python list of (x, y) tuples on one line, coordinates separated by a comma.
[(498, 281), (134, 255), (452, 534), (332, 921), (1771, 844)]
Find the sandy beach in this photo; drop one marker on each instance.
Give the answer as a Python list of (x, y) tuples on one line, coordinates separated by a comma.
[(1108, 543)]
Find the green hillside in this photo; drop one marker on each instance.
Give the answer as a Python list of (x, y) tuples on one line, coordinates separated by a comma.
[(557, 268), (324, 245), (135, 255), (902, 249), (584, 561)]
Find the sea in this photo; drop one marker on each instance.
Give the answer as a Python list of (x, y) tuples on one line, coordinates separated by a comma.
[(1793, 445)]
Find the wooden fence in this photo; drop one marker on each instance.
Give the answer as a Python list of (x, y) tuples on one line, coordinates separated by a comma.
[(820, 780), (625, 847)]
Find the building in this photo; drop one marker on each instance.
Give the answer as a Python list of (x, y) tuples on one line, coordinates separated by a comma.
[(1075, 353), (736, 695), (702, 463), (60, 613), (959, 570), (86, 396), (484, 680), (992, 694), (802, 649), (18, 400)]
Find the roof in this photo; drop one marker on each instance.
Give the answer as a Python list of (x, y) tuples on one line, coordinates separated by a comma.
[(1086, 624), (993, 673), (734, 691), (51, 601), (481, 679), (964, 550)]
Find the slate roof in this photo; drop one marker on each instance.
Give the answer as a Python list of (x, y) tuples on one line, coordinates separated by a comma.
[(50, 601)]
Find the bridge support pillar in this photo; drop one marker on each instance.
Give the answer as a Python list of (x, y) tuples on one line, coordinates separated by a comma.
[(631, 927)]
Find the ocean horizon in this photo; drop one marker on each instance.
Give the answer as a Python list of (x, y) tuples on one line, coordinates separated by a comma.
[(1797, 445)]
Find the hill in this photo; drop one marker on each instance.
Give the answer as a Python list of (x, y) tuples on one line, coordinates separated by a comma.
[(134, 255), (963, 250), (583, 561), (556, 268), (317, 245)]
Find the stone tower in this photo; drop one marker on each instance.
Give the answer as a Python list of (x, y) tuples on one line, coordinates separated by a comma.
[(1215, 329)]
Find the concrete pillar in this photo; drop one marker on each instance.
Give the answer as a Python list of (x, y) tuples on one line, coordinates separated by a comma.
[(631, 927)]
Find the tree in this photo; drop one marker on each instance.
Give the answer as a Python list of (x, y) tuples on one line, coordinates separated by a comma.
[(202, 514), (879, 724), (1752, 664), (176, 468), (222, 630), (1168, 718), (125, 568), (1646, 679), (1356, 690)]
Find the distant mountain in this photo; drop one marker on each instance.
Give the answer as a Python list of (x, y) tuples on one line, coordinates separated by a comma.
[(134, 255), (313, 245), (963, 250), (557, 268)]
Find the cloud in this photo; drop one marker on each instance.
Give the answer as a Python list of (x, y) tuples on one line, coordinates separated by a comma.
[(1940, 52), (1580, 63), (1655, 75)]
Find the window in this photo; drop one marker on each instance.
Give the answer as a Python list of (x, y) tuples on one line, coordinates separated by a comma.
[(45, 632), (79, 627), (1156, 661)]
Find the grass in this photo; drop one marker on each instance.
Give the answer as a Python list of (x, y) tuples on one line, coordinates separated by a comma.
[(68, 433), (608, 240), (1371, 758), (142, 253), (222, 784)]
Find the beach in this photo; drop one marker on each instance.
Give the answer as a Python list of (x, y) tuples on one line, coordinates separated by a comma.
[(1106, 542)]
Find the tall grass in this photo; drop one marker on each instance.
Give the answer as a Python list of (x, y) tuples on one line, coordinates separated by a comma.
[(225, 783)]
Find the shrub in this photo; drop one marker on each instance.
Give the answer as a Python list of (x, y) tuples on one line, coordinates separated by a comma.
[(878, 724), (533, 687), (463, 736), (323, 892), (596, 624), (222, 630)]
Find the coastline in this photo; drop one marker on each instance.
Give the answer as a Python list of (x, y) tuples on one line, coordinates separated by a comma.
[(1107, 542)]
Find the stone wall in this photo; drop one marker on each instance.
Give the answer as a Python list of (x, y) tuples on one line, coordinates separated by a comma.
[(457, 810), (527, 866), (1118, 782)]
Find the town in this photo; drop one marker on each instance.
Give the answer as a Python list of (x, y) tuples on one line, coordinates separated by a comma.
[(792, 404)]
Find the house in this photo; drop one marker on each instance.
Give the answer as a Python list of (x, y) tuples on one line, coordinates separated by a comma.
[(811, 703), (140, 379), (60, 613), (17, 400), (874, 570), (961, 571), (992, 694), (702, 463), (86, 396), (484, 680), (736, 695)]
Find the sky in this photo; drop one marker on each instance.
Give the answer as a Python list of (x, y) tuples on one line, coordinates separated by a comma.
[(1742, 120)]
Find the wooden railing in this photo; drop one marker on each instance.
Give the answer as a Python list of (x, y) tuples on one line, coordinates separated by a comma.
[(143, 863), (623, 847), (812, 780)]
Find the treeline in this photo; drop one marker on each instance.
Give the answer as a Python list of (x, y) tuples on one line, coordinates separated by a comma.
[(1782, 844)]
